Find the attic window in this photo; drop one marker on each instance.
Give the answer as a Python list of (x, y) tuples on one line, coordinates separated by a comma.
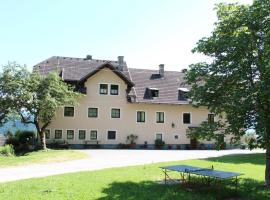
[(154, 92), (182, 94)]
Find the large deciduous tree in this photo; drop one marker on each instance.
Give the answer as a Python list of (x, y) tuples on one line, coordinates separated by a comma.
[(32, 97), (236, 80)]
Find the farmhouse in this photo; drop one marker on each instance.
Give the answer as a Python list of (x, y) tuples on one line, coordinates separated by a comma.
[(120, 101)]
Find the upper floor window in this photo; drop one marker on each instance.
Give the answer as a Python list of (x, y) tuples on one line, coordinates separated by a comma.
[(154, 92), (103, 89), (140, 116), (82, 134), (58, 134), (115, 113), (160, 117), (183, 94), (70, 134), (93, 112), (114, 89), (211, 118), (69, 111), (186, 118), (47, 133)]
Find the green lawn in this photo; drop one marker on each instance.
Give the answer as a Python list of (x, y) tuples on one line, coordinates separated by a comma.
[(41, 157), (140, 183)]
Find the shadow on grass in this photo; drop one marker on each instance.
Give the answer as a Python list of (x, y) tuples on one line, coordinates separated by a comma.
[(256, 159), (248, 190)]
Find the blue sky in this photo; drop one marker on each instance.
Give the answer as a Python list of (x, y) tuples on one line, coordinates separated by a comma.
[(146, 32)]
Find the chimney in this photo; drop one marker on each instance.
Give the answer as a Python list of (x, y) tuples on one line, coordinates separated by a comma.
[(121, 63), (161, 70), (184, 70), (88, 57)]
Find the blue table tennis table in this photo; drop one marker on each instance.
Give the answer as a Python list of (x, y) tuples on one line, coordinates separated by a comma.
[(208, 175)]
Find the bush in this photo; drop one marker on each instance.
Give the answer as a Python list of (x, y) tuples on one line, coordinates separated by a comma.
[(21, 140), (7, 150), (159, 143)]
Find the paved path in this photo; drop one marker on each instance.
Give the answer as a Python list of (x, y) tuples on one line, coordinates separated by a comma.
[(101, 159)]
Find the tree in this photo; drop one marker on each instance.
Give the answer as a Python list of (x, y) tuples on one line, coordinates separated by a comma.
[(32, 97), (236, 80)]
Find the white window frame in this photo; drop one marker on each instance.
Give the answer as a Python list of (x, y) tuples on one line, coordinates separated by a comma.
[(183, 118), (162, 136), (62, 138), (79, 134), (69, 116), (67, 134), (118, 89), (144, 116), (111, 139), (97, 112), (111, 113), (90, 134), (156, 117)]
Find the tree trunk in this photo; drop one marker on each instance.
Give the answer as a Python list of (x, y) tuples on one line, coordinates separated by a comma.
[(42, 140), (267, 168)]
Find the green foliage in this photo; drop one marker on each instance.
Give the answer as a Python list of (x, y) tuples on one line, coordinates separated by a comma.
[(33, 97), (21, 140), (7, 150), (131, 139), (237, 79), (159, 143)]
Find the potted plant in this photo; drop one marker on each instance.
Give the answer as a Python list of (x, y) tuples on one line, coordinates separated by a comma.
[(131, 140), (159, 143)]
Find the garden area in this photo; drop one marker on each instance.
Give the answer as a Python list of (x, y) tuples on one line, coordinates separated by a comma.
[(143, 182)]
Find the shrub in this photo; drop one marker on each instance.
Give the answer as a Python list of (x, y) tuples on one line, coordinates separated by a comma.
[(7, 150), (159, 143)]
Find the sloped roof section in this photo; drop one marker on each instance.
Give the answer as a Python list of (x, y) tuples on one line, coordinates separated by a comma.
[(167, 86)]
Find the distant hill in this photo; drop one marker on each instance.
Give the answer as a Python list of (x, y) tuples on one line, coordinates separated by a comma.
[(13, 126)]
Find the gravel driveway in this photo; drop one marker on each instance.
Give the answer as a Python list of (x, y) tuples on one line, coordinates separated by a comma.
[(101, 159)]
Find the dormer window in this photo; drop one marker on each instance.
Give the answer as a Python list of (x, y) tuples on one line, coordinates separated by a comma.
[(182, 94), (154, 92)]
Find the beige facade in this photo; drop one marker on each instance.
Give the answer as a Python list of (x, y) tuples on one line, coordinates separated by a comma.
[(173, 129)]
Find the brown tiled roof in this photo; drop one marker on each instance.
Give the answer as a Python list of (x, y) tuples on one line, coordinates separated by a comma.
[(167, 86), (79, 69)]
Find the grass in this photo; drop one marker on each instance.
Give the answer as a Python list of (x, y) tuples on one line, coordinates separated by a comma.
[(140, 182), (40, 157)]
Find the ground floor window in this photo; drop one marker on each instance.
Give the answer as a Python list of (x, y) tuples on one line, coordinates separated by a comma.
[(47, 133), (93, 135), (58, 134), (81, 134), (70, 134), (111, 135), (159, 136)]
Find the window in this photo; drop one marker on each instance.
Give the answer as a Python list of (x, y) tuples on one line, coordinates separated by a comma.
[(186, 118), (140, 116), (183, 94), (159, 136), (103, 89), (211, 118), (47, 134), (68, 111), (176, 137), (154, 92), (93, 135), (111, 135), (115, 113), (160, 117), (81, 134), (70, 134), (114, 89), (58, 134), (92, 112)]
